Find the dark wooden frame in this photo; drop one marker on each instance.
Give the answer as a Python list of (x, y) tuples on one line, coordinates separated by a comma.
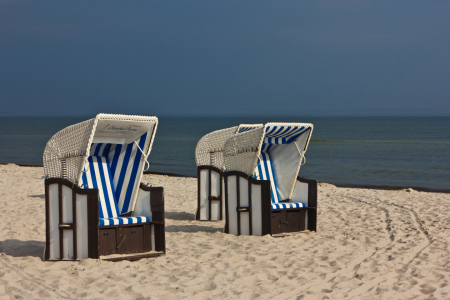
[(312, 202), (210, 197), (271, 222), (97, 245)]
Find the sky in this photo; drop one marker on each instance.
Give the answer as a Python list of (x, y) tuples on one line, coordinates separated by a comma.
[(212, 58)]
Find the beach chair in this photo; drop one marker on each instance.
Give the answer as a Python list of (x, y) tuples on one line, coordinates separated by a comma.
[(95, 202), (264, 194), (210, 167)]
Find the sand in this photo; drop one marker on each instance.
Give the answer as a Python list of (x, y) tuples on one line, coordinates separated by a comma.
[(370, 244)]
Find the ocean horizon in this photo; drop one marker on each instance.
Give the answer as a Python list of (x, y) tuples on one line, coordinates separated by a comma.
[(389, 152)]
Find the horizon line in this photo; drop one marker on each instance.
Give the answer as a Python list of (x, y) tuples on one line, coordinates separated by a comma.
[(226, 115)]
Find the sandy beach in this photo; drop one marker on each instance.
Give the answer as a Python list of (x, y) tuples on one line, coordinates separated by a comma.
[(370, 244)]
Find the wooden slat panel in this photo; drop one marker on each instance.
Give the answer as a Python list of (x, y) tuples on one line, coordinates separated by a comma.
[(61, 235), (74, 212)]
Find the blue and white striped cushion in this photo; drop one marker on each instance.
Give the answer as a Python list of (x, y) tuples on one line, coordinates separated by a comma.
[(123, 220), (287, 205), (264, 171), (125, 168), (98, 176), (275, 135)]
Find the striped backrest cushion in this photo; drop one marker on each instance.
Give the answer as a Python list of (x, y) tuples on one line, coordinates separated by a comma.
[(264, 171), (126, 169), (98, 176)]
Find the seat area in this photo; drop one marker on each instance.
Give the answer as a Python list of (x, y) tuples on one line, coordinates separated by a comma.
[(287, 205), (98, 176), (124, 220)]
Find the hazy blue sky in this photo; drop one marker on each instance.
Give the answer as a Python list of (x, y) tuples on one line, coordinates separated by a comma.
[(224, 57)]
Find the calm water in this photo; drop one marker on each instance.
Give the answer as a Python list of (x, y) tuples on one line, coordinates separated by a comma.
[(379, 151)]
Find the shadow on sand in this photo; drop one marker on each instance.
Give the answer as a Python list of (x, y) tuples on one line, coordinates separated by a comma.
[(18, 248), (179, 216), (192, 228)]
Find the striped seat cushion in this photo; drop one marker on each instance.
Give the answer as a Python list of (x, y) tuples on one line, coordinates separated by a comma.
[(123, 220), (287, 205)]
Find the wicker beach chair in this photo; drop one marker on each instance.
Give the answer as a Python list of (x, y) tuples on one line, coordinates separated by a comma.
[(264, 194), (95, 202), (210, 167)]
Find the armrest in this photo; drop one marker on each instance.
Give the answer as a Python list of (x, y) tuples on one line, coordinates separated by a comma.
[(312, 191), (156, 201), (157, 209)]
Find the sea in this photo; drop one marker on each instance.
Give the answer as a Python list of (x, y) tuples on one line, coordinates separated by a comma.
[(378, 152)]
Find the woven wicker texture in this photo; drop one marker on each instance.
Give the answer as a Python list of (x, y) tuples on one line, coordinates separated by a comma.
[(209, 150), (242, 151), (66, 152)]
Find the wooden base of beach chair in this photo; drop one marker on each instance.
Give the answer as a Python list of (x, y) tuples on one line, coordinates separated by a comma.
[(128, 239), (298, 219), (288, 220), (210, 203), (249, 212), (293, 220), (72, 224)]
